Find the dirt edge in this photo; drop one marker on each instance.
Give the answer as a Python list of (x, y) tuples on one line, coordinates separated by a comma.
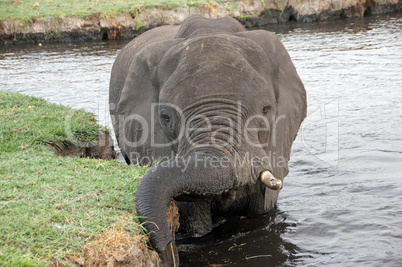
[(102, 149)]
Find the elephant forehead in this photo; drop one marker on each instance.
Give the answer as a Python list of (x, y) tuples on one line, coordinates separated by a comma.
[(220, 48), (223, 64)]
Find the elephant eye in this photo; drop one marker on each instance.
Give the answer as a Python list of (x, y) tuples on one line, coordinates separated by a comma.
[(266, 109), (165, 117)]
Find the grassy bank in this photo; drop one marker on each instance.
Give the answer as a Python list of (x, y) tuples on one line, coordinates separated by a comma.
[(25, 10), (60, 209), (45, 21)]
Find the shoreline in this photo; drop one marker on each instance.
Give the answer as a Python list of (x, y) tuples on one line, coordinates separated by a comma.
[(59, 204), (250, 13)]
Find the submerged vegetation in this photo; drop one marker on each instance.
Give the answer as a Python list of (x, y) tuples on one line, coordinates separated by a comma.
[(61, 209)]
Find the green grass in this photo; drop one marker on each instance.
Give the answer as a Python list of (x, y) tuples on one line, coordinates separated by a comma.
[(52, 206), (32, 122), (26, 10)]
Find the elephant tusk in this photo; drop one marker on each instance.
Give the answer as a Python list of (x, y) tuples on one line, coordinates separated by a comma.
[(270, 181)]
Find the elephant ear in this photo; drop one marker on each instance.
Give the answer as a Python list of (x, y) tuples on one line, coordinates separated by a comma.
[(135, 99), (291, 107)]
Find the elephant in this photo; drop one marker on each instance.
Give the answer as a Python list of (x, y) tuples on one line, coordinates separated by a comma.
[(214, 108)]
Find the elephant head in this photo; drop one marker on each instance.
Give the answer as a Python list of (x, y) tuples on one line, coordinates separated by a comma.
[(220, 106)]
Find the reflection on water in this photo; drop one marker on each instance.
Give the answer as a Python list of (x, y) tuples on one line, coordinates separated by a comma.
[(341, 202)]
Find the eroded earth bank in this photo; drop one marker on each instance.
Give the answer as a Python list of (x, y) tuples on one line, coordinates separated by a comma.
[(128, 25)]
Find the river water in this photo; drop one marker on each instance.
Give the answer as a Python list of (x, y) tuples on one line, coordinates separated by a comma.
[(342, 201)]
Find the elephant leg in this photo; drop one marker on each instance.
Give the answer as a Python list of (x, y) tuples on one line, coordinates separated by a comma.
[(195, 217)]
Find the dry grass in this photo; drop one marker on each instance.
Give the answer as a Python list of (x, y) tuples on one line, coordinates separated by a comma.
[(115, 247)]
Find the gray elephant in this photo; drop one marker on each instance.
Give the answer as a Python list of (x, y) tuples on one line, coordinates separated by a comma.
[(218, 108)]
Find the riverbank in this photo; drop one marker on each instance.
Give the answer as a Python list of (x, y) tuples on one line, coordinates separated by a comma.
[(64, 210), (61, 21)]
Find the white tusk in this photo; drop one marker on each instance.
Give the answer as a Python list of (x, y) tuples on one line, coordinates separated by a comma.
[(270, 181)]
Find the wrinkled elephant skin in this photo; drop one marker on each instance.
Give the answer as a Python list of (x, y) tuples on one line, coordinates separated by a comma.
[(217, 107)]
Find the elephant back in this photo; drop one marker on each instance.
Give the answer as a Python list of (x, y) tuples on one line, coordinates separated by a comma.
[(198, 25)]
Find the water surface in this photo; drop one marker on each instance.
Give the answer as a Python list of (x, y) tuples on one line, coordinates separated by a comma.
[(342, 201)]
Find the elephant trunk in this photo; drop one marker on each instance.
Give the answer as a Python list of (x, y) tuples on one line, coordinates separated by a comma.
[(201, 174)]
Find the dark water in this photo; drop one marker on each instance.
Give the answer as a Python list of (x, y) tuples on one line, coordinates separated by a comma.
[(342, 201)]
